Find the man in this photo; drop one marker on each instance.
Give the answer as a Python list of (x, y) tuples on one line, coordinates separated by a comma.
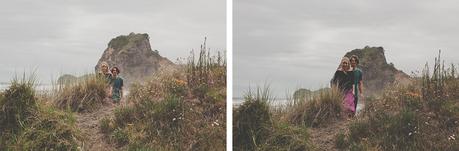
[(357, 79), (117, 86)]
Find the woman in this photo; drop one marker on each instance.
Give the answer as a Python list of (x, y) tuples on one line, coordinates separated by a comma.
[(104, 72), (344, 80), (117, 85)]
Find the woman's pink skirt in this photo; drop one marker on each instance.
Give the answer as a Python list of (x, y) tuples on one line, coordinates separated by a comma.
[(349, 101)]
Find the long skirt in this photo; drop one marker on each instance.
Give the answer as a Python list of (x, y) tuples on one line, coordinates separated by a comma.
[(348, 101)]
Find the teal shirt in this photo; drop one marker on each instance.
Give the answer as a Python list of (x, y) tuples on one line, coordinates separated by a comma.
[(117, 85), (357, 79)]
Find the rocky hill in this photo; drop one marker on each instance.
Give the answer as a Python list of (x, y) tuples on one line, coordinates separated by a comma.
[(377, 73), (133, 55)]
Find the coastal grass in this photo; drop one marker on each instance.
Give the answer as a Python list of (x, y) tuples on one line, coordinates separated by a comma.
[(421, 116), (255, 127), (28, 123), (318, 109), (177, 109), (86, 94)]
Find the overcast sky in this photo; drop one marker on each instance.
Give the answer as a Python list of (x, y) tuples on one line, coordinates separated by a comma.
[(299, 43), (56, 36)]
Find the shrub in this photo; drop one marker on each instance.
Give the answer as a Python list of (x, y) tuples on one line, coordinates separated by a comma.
[(124, 115), (169, 113), (18, 104), (106, 125), (255, 128), (205, 72), (340, 141), (420, 116), (120, 137), (29, 124), (322, 108), (51, 130), (84, 95), (252, 121)]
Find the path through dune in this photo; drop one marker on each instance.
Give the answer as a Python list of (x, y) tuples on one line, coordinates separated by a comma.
[(88, 124)]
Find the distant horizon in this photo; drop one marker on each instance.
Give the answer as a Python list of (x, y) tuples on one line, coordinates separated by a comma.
[(300, 43), (55, 38)]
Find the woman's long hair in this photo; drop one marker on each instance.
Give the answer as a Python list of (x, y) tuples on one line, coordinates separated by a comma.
[(101, 67), (345, 59)]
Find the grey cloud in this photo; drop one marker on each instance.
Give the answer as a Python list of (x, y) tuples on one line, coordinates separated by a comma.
[(69, 36), (299, 43)]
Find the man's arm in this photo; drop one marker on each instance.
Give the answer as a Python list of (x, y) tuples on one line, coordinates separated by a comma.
[(121, 89), (361, 87), (110, 92)]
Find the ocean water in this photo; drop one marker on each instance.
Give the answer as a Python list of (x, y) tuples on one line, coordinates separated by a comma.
[(38, 87)]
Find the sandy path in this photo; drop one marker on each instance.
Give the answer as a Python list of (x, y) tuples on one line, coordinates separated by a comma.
[(88, 123), (324, 137)]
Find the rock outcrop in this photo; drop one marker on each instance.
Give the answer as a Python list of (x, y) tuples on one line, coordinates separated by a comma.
[(133, 55), (377, 73)]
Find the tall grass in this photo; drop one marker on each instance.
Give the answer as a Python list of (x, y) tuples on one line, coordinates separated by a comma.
[(177, 109), (82, 95), (420, 116), (205, 73), (255, 127), (252, 120), (27, 123), (320, 108), (18, 104)]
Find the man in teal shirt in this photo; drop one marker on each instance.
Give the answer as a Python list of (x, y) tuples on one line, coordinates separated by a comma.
[(357, 79), (117, 85)]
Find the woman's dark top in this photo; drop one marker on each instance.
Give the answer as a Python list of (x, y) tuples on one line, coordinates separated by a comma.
[(106, 76), (344, 81)]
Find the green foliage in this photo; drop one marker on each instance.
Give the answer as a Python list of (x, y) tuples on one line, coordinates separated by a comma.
[(18, 104), (119, 42), (120, 137), (205, 72), (285, 137), (255, 128), (420, 116), (51, 130), (85, 95), (252, 121), (106, 125), (175, 110), (319, 109), (340, 141), (124, 115), (29, 124), (123, 41)]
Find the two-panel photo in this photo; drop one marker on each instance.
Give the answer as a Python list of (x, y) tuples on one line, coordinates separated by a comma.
[(217, 75)]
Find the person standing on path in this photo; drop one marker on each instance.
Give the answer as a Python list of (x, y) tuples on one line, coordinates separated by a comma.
[(344, 80), (357, 79), (116, 86), (104, 74)]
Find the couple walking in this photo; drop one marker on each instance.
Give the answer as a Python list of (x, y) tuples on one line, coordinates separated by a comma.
[(114, 80), (348, 79)]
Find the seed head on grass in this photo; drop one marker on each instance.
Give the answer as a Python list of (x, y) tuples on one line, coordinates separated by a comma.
[(84, 95), (322, 107)]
